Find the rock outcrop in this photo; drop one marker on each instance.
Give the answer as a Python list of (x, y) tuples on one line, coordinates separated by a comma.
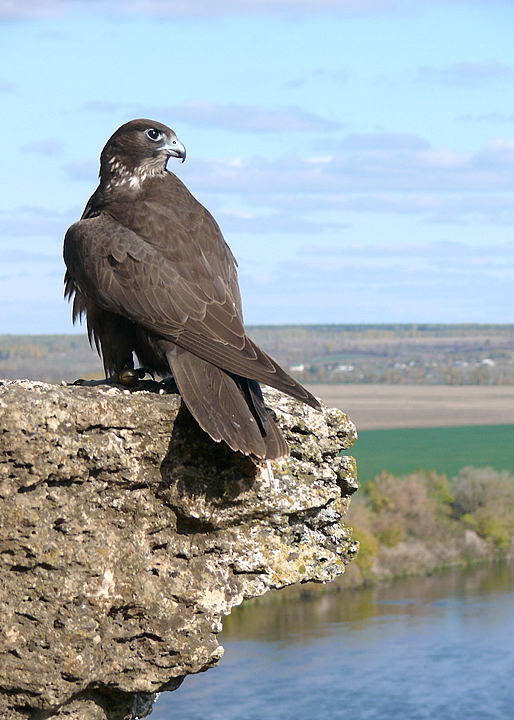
[(126, 534)]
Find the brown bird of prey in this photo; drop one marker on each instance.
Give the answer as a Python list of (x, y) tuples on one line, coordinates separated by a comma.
[(148, 266)]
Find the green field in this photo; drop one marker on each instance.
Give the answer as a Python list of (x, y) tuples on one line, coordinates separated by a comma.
[(445, 449)]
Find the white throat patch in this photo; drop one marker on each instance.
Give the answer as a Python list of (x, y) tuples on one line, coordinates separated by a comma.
[(121, 175)]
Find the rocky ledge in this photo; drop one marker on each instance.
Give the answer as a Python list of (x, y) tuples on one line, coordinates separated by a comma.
[(126, 534)]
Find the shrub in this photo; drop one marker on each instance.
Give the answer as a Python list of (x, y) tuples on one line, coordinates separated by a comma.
[(392, 535), (489, 527), (401, 507), (475, 488), (440, 490)]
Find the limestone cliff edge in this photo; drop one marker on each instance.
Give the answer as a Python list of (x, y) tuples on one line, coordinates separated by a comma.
[(126, 534)]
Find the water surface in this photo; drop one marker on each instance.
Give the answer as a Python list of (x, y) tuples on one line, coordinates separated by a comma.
[(420, 648)]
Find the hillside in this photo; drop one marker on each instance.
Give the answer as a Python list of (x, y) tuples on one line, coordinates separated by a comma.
[(337, 354)]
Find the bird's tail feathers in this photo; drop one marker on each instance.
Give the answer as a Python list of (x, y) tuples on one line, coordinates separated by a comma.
[(220, 406), (276, 445)]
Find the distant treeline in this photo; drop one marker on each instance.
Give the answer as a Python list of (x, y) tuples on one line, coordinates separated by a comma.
[(409, 354)]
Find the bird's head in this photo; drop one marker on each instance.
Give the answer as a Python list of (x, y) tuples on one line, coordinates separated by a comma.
[(140, 146)]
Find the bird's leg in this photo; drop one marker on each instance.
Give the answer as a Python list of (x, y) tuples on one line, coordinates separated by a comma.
[(108, 380), (127, 377), (269, 468), (133, 379)]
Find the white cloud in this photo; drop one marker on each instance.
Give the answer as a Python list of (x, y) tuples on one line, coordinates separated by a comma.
[(176, 9), (320, 159), (231, 117), (384, 141), (277, 222), (490, 117), (48, 146), (339, 77), (468, 75), (33, 221), (10, 9), (83, 169), (435, 252), (445, 158), (250, 118), (24, 257)]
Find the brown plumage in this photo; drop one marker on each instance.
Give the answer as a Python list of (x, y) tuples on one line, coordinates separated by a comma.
[(148, 266)]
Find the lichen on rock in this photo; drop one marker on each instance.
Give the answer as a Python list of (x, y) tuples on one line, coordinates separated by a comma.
[(126, 534)]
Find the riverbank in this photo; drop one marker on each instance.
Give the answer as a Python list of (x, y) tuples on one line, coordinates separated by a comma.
[(423, 522)]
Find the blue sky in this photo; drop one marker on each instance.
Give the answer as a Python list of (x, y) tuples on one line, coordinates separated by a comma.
[(358, 154)]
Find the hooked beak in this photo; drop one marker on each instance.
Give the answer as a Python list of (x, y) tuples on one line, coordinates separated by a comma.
[(176, 149)]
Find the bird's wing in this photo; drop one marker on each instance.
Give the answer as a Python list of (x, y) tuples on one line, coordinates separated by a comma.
[(198, 251), (128, 276)]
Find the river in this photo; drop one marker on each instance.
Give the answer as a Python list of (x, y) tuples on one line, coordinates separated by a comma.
[(415, 649)]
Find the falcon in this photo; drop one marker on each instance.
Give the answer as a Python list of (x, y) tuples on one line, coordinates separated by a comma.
[(149, 268)]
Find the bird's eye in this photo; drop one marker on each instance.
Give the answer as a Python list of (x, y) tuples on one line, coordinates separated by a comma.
[(153, 134)]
